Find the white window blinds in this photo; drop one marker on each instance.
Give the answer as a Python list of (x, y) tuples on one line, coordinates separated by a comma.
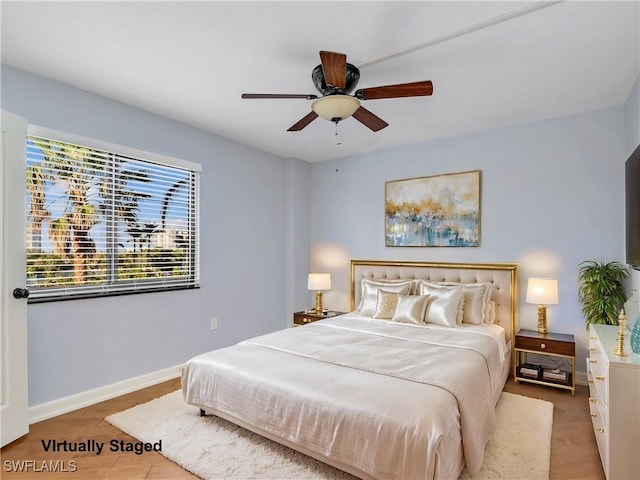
[(103, 223)]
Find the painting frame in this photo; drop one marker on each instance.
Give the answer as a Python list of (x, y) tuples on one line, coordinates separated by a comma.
[(433, 211)]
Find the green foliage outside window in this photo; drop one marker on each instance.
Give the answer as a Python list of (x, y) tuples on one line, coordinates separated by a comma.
[(96, 218)]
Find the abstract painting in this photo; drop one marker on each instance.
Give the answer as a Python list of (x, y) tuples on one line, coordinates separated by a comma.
[(437, 211)]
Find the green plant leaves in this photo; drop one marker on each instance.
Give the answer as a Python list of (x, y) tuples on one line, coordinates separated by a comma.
[(601, 291)]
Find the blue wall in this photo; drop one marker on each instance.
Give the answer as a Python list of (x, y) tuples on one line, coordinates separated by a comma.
[(246, 224), (552, 195)]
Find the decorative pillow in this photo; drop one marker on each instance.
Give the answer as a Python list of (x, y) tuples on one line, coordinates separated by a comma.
[(445, 304), (432, 288), (411, 309), (386, 304), (490, 313), (476, 298), (369, 295)]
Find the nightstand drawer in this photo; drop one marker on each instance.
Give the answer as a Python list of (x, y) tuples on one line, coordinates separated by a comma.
[(546, 345), (304, 318), (550, 345)]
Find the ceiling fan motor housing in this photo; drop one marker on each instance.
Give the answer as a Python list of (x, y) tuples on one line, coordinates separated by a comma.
[(335, 79), (351, 81)]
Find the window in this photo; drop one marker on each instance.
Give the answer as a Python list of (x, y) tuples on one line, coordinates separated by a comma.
[(107, 221)]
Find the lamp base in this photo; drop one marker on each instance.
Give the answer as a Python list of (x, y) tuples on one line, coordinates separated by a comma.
[(542, 319), (319, 302)]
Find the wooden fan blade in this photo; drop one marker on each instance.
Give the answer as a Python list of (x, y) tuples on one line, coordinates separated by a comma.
[(334, 68), (414, 89), (278, 95), (370, 120), (303, 122)]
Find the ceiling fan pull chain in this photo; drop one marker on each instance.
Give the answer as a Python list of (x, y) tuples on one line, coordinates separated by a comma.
[(338, 142)]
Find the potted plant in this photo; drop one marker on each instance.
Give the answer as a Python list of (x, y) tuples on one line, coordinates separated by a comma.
[(601, 291)]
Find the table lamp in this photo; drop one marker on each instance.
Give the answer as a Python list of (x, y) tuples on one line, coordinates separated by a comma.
[(319, 282), (543, 292)]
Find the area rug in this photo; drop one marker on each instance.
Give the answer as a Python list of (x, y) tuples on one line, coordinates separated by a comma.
[(212, 448)]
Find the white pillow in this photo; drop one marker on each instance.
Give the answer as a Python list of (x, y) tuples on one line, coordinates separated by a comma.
[(476, 298), (445, 303), (386, 304), (369, 295), (411, 309), (490, 314)]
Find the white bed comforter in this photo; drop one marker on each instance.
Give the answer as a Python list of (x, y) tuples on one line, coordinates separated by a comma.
[(378, 399)]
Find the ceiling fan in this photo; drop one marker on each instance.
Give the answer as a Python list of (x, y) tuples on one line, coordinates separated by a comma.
[(335, 79)]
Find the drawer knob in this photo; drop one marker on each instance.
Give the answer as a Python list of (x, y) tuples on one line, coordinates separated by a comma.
[(543, 346), (589, 381), (305, 320), (599, 377), (592, 349), (593, 361), (592, 400), (594, 415), (601, 430), (593, 338)]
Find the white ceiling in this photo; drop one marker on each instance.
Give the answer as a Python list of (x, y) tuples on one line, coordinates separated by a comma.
[(492, 64)]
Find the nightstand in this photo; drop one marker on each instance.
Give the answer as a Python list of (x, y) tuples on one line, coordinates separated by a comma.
[(302, 318), (556, 345)]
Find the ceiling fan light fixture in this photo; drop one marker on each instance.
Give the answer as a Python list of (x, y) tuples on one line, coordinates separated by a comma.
[(334, 107)]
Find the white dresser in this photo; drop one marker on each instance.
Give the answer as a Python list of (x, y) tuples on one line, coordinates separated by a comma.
[(614, 400)]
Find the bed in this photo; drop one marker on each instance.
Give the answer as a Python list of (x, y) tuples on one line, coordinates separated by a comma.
[(377, 392)]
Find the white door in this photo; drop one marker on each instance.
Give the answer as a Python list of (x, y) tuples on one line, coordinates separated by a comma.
[(14, 402)]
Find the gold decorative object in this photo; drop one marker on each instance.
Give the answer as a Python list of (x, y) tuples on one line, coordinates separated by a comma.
[(542, 319), (622, 321), (319, 282), (543, 291)]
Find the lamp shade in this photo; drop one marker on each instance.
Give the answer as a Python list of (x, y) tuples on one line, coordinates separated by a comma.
[(334, 107), (319, 281), (542, 291)]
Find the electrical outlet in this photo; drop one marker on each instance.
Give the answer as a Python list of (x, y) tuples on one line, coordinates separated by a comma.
[(214, 323)]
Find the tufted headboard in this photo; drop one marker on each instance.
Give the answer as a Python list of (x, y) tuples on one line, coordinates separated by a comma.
[(503, 276)]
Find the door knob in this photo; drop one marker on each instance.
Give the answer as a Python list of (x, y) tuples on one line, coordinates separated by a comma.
[(20, 293)]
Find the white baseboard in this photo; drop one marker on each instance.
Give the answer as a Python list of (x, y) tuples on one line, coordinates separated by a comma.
[(57, 407)]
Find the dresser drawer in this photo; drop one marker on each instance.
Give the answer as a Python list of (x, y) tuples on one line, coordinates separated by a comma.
[(614, 396), (546, 345), (598, 366), (597, 406), (599, 426)]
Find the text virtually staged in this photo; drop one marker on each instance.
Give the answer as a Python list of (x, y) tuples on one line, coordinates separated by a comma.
[(88, 445)]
